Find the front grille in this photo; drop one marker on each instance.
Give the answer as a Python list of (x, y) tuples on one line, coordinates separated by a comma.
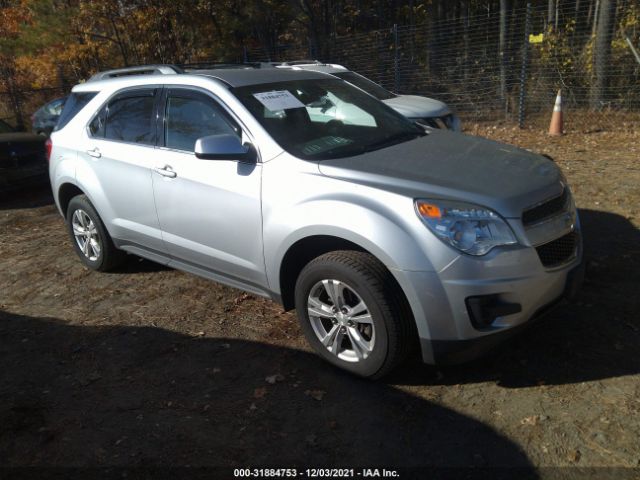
[(546, 209), (559, 251)]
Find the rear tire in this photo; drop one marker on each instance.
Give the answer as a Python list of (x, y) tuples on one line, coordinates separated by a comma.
[(354, 314), (90, 238)]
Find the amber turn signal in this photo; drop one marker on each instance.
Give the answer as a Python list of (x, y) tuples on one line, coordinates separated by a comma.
[(428, 210)]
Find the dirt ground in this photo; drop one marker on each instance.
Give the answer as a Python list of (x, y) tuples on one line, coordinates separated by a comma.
[(152, 366)]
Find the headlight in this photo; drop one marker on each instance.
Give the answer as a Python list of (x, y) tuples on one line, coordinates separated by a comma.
[(469, 228)]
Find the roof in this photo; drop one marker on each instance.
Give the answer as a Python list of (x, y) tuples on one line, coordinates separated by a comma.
[(240, 77), (234, 77)]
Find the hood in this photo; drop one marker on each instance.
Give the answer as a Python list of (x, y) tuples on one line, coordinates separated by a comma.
[(448, 165), (412, 106)]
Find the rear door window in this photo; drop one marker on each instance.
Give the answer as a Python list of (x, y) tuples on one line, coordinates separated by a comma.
[(130, 118)]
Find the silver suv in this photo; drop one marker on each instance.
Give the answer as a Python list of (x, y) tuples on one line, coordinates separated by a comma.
[(383, 235)]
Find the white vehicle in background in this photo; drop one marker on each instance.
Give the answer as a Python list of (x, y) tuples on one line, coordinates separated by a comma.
[(426, 111)]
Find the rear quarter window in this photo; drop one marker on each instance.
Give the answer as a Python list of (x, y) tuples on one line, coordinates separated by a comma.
[(75, 102)]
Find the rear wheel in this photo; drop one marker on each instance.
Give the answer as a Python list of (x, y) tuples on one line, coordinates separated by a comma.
[(353, 313), (90, 238)]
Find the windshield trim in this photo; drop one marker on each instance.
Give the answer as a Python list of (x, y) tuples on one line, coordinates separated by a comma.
[(369, 85)]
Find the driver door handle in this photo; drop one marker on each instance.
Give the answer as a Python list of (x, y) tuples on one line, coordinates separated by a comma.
[(95, 153), (166, 171)]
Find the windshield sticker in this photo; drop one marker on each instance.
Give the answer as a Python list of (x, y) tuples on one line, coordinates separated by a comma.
[(278, 100)]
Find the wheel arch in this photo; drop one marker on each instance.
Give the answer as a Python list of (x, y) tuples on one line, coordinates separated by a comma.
[(66, 192), (301, 253), (306, 249)]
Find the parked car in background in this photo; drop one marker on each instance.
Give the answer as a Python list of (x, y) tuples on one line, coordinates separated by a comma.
[(424, 110), (45, 118), (22, 159)]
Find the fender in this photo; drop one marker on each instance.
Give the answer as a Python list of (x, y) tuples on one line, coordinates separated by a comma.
[(62, 170), (379, 232), (87, 181)]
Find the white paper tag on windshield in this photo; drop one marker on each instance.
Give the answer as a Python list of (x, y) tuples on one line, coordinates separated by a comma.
[(278, 100)]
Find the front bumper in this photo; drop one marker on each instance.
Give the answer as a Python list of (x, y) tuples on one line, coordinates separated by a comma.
[(450, 352), (511, 277)]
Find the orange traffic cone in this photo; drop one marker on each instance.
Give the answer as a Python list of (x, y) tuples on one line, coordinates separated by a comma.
[(555, 128)]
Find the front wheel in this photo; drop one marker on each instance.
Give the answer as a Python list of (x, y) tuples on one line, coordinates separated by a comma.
[(353, 313)]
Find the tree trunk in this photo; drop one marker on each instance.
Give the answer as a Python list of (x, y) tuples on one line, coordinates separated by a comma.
[(501, 49), (121, 46), (551, 14), (8, 72), (464, 14), (596, 14), (602, 51)]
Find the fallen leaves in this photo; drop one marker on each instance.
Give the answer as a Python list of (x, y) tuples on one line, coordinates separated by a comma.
[(315, 394), (574, 456), (272, 379), (534, 419), (260, 392)]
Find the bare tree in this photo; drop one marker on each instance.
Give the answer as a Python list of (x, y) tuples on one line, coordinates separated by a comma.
[(602, 51), (502, 47), (464, 15)]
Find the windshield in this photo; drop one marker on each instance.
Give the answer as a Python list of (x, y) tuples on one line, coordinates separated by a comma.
[(365, 84), (320, 119), (5, 128)]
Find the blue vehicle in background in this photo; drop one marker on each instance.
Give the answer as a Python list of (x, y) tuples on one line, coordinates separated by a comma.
[(23, 160), (46, 117)]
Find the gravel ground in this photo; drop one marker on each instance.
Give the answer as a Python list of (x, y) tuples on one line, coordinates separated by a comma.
[(152, 366)]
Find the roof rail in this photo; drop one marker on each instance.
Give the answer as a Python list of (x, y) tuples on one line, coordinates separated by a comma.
[(139, 70), (222, 65), (301, 62)]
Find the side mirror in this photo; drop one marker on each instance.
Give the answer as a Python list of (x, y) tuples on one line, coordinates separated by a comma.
[(224, 147)]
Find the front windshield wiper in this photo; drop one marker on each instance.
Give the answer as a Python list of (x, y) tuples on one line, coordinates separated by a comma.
[(353, 150), (393, 140)]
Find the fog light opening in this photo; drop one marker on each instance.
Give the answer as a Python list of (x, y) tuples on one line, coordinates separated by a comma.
[(483, 310)]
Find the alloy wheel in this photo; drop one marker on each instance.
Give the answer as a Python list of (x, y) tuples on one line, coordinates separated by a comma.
[(86, 235), (341, 320)]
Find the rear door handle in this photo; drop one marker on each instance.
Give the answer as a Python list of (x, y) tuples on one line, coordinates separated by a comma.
[(94, 153), (166, 171)]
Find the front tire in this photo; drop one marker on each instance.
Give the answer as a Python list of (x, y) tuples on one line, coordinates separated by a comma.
[(353, 313), (90, 238)]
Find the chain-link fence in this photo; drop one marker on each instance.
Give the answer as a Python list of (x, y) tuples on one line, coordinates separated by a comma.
[(489, 71), (498, 67)]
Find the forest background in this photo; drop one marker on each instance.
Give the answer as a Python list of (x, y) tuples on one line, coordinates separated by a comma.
[(491, 60)]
